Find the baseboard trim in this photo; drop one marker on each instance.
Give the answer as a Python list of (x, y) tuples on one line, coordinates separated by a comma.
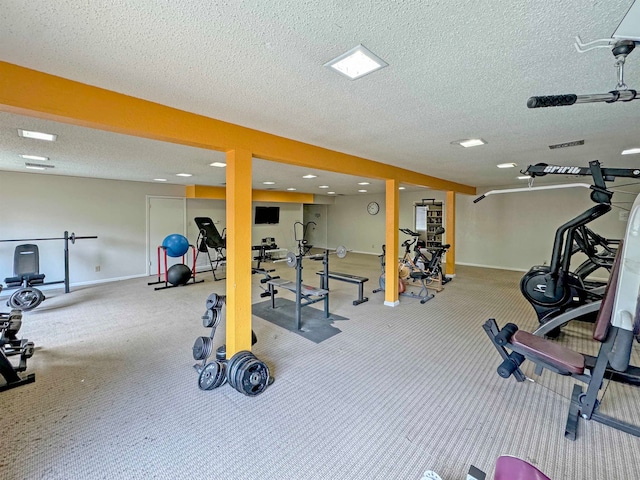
[(494, 267)]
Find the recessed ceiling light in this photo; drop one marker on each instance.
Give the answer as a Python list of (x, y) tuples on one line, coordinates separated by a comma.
[(323, 186), (631, 151), (34, 157), (183, 175), (309, 176), (50, 137), (268, 183), (36, 166), (218, 164), (356, 63), (469, 142), (362, 191), (291, 189), (364, 183), (524, 177), (401, 188), (159, 179), (506, 165), (331, 193)]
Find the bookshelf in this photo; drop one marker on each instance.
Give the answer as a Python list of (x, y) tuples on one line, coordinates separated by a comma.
[(429, 219)]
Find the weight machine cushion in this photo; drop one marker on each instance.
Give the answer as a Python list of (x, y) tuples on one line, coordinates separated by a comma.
[(605, 313), (31, 278), (512, 468), (550, 352)]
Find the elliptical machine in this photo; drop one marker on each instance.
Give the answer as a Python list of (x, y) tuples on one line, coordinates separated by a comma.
[(557, 294)]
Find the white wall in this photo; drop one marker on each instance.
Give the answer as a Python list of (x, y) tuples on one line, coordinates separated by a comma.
[(283, 231), (510, 231), (216, 210), (352, 226), (40, 206), (516, 231), (316, 234)]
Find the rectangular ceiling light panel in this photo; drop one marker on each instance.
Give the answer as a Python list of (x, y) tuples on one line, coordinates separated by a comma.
[(50, 137), (356, 63), (631, 151)]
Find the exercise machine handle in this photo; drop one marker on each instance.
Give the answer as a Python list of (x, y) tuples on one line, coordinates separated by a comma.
[(571, 98), (551, 100)]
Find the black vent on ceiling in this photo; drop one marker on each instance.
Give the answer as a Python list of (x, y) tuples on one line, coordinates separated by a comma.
[(38, 165), (567, 144)]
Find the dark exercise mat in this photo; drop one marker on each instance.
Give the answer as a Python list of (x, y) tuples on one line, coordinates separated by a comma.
[(314, 326)]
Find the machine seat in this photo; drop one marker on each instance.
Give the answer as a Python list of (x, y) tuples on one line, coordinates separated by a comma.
[(548, 351)]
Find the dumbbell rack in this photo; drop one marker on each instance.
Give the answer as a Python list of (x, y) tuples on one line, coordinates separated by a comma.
[(10, 345), (243, 371)]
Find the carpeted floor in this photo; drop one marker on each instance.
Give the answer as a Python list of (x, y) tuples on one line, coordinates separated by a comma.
[(398, 391)]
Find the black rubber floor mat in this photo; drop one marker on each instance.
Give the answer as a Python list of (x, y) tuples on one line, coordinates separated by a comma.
[(313, 324)]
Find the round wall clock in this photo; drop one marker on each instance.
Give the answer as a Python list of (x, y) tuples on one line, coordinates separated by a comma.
[(373, 208)]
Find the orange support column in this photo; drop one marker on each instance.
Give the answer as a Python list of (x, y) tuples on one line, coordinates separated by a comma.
[(238, 251), (450, 267), (391, 242)]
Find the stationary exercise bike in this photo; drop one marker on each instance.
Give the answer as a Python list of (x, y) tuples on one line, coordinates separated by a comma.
[(428, 259), (382, 281), (416, 270), (556, 293)]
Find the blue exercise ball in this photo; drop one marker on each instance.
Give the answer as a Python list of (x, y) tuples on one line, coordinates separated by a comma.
[(178, 274), (176, 245)]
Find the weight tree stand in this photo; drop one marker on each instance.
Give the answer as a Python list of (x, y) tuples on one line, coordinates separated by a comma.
[(10, 345)]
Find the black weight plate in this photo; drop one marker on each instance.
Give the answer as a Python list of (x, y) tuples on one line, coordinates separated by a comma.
[(221, 378), (202, 348), (209, 318), (29, 348), (208, 376), (232, 376), (26, 298), (237, 376), (253, 378), (221, 353), (233, 363), (215, 301)]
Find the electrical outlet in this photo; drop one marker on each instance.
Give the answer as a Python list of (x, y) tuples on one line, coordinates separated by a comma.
[(97, 268)]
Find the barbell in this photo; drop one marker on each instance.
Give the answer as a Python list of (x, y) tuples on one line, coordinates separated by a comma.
[(292, 258), (71, 237)]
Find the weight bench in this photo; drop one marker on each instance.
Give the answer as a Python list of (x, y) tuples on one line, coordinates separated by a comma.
[(613, 329), (345, 277), (305, 296)]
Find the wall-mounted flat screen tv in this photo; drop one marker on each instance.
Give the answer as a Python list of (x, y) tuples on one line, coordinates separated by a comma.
[(267, 215)]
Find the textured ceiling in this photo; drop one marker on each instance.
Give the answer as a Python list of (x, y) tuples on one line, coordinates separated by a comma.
[(457, 69)]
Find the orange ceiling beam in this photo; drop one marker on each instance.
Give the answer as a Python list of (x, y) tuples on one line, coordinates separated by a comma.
[(220, 193), (29, 92)]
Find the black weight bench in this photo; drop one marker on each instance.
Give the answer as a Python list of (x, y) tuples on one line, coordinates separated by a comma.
[(345, 277)]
